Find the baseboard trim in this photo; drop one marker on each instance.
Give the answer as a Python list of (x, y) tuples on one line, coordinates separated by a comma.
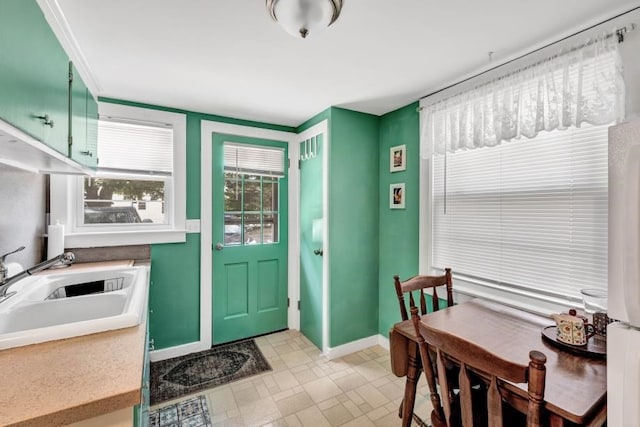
[(351, 347), (383, 342), (179, 350), (332, 353)]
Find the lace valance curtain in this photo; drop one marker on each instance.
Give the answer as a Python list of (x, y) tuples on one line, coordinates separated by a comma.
[(583, 85)]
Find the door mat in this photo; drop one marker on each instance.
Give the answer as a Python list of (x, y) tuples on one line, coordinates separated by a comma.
[(193, 412), (194, 372)]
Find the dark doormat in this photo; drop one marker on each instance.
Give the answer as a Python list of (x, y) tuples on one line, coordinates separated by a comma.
[(194, 372)]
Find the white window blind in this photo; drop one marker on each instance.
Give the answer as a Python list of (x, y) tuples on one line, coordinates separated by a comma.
[(528, 214), (135, 148), (253, 160)]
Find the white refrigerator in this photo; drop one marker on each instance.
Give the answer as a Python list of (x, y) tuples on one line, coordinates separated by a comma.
[(623, 337)]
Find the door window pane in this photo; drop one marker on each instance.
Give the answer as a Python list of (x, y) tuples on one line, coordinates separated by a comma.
[(252, 229), (252, 193), (270, 228), (251, 209), (232, 192), (270, 194)]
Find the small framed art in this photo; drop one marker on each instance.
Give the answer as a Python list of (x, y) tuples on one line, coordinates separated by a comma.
[(398, 158), (396, 196)]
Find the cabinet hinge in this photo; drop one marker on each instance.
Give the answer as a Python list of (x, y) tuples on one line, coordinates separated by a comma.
[(299, 164), (298, 305), (288, 163), (70, 74), (287, 302)]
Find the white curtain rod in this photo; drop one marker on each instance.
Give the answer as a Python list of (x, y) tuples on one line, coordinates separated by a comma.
[(620, 33)]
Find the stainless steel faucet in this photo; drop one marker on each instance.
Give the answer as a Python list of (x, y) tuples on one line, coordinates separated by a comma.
[(5, 282), (4, 270)]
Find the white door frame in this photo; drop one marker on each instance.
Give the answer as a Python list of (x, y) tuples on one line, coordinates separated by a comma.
[(207, 129)]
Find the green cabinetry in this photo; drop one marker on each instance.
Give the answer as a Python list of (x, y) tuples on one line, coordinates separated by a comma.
[(41, 92), (83, 121), (33, 74), (141, 411)]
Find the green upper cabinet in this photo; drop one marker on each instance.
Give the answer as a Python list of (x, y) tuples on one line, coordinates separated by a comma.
[(91, 141), (83, 116), (33, 74)]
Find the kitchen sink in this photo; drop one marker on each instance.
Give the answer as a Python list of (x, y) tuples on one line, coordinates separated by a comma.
[(59, 304)]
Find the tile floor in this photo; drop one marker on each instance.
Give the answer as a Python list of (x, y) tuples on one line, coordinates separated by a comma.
[(305, 389)]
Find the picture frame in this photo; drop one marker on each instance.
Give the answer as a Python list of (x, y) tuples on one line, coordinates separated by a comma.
[(398, 158), (396, 196)]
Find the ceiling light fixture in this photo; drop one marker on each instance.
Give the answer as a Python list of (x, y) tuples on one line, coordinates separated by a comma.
[(303, 17)]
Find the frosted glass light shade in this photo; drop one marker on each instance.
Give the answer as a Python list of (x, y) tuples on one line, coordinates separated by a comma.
[(303, 17)]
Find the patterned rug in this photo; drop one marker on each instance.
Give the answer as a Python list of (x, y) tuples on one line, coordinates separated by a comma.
[(190, 413), (194, 372)]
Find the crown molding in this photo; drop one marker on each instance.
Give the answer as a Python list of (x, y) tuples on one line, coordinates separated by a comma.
[(56, 19)]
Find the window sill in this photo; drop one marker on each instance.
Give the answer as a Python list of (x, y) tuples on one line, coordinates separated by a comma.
[(120, 238), (545, 306)]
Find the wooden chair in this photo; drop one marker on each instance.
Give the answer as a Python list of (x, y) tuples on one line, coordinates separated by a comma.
[(490, 404), (407, 362)]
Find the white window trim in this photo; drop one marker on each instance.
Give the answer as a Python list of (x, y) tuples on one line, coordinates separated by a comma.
[(64, 190)]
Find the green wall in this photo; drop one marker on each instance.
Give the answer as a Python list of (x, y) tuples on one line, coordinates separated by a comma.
[(398, 228), (369, 242), (353, 225), (174, 297), (323, 115)]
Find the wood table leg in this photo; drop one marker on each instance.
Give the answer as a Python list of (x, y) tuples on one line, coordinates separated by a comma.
[(413, 374), (555, 421), (597, 420)]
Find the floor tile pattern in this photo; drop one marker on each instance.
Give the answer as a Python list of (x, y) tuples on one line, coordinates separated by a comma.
[(305, 389)]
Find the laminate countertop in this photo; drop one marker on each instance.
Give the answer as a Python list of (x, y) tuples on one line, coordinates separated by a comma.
[(65, 381)]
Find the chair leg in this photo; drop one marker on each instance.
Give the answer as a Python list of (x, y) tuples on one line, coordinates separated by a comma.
[(420, 422), (413, 373)]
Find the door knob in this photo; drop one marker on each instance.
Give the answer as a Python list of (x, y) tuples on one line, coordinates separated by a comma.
[(219, 246), (317, 252)]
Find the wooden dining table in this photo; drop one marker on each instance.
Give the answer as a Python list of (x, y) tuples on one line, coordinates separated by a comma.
[(576, 384)]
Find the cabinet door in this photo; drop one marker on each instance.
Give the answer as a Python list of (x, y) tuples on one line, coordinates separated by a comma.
[(91, 143), (83, 113), (33, 74), (77, 116)]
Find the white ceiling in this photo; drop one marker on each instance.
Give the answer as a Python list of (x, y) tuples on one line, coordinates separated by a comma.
[(227, 57)]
